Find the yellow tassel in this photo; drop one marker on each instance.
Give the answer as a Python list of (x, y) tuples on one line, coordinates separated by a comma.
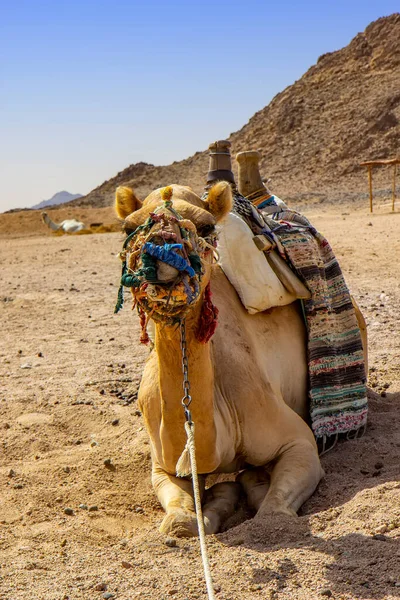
[(166, 193)]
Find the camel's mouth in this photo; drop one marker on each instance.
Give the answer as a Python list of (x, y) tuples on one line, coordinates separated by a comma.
[(163, 264)]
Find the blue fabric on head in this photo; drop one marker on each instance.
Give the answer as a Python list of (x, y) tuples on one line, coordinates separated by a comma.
[(166, 254)]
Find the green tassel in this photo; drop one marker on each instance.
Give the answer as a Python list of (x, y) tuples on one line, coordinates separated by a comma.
[(195, 262), (120, 297), (149, 268)]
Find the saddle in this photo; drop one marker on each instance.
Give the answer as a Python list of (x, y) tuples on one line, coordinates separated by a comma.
[(255, 268)]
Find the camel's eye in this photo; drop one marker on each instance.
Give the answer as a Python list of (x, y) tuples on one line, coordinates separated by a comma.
[(206, 230)]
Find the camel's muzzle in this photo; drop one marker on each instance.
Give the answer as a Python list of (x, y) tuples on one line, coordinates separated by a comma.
[(163, 266)]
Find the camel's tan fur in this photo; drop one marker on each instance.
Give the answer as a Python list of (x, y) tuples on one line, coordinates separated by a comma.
[(249, 390)]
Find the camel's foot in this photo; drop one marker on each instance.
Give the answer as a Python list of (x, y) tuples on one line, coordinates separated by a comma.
[(179, 524), (220, 503), (274, 508), (255, 483)]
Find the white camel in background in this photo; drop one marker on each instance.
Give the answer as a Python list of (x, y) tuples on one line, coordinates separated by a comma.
[(68, 226)]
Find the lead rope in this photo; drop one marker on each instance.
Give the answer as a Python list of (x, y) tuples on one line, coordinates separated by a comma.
[(191, 450)]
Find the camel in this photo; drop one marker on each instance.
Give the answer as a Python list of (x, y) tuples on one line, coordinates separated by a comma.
[(68, 226), (248, 383)]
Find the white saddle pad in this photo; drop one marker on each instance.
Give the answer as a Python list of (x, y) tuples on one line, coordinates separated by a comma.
[(247, 268)]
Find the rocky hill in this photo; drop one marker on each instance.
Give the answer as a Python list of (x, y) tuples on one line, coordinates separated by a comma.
[(313, 135)]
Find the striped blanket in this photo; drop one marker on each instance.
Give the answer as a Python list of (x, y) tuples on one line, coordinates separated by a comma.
[(337, 379)]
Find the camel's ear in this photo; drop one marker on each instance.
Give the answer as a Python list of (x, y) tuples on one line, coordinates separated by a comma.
[(219, 201), (126, 202)]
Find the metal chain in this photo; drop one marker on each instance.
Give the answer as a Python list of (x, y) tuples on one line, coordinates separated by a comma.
[(187, 399)]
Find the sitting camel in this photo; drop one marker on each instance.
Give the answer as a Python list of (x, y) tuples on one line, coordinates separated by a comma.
[(248, 383), (68, 226)]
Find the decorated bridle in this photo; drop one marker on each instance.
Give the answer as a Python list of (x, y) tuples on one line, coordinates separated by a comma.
[(167, 237)]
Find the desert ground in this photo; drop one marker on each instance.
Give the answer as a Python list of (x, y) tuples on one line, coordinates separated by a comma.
[(78, 517)]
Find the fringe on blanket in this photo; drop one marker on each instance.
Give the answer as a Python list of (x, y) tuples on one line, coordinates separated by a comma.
[(337, 379)]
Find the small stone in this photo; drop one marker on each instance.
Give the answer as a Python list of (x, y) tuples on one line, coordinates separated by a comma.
[(381, 529), (26, 366), (83, 506), (93, 508), (100, 587), (107, 462), (11, 473), (18, 486), (380, 537), (171, 542), (326, 592), (172, 592), (40, 355), (66, 469), (58, 500), (383, 394), (108, 596), (63, 543), (397, 584), (126, 564), (369, 224), (137, 413), (379, 465), (68, 511), (93, 443), (115, 422)]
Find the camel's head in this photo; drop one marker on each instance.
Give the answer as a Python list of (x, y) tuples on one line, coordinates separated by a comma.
[(169, 246)]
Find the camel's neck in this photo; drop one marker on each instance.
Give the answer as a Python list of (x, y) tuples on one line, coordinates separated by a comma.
[(201, 378), (50, 223)]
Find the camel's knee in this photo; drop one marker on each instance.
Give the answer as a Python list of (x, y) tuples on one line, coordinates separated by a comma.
[(294, 478), (255, 483)]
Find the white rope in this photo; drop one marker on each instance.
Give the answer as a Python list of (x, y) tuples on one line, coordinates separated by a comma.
[(189, 427)]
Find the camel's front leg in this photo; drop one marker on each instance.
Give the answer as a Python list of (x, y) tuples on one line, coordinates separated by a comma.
[(176, 497), (294, 478)]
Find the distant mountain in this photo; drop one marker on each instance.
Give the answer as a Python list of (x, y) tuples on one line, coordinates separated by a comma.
[(313, 135), (58, 198)]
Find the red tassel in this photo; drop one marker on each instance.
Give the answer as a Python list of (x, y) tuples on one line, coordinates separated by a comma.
[(208, 318), (144, 338)]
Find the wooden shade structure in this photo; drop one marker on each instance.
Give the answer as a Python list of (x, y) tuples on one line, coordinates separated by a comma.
[(379, 163)]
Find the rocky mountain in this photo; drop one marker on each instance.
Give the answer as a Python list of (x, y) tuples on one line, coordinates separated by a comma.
[(59, 198), (312, 135)]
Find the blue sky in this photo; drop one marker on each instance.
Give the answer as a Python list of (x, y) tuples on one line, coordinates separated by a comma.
[(87, 88)]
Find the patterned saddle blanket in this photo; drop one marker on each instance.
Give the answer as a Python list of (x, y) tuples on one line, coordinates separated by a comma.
[(337, 378)]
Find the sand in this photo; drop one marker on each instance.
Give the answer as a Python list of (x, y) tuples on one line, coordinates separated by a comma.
[(73, 442)]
